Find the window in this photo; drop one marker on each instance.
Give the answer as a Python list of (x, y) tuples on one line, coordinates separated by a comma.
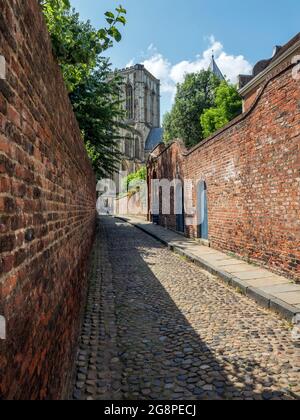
[(137, 148), (146, 95), (152, 107), (129, 102), (128, 147)]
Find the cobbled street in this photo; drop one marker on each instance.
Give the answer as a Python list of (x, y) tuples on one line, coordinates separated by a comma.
[(157, 327)]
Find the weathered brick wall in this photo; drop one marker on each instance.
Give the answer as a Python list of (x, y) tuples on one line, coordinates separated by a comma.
[(47, 211), (250, 99), (251, 169)]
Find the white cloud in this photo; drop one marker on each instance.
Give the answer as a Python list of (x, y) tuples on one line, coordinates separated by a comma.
[(161, 68), (130, 64), (171, 74)]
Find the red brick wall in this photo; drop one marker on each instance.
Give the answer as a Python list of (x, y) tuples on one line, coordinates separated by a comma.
[(47, 211), (250, 99), (252, 173)]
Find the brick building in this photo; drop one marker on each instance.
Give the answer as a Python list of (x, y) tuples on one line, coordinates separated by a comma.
[(244, 196)]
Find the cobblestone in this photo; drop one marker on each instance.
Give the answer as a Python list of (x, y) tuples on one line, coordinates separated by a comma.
[(158, 327)]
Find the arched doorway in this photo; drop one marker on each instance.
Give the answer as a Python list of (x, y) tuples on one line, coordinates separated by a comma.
[(202, 210)]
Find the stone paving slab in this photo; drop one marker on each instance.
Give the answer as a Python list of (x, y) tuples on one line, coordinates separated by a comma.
[(250, 279), (268, 282), (253, 275), (238, 268), (281, 288), (228, 263), (293, 298)]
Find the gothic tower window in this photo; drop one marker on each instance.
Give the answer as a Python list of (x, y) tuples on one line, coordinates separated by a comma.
[(146, 95), (129, 102), (137, 148), (152, 107), (128, 147)]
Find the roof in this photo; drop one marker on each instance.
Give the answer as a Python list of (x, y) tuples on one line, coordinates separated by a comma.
[(213, 67), (154, 139), (281, 50), (263, 66)]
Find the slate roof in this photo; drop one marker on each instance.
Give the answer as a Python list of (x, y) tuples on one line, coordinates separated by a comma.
[(264, 64), (155, 138), (213, 67)]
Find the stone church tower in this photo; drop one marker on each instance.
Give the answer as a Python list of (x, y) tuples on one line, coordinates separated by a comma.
[(141, 93)]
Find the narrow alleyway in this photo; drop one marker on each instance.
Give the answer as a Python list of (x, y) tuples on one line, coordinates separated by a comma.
[(159, 327)]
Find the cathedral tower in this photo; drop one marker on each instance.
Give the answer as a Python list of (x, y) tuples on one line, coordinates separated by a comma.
[(141, 94)]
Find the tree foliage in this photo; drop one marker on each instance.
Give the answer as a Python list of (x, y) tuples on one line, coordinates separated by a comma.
[(193, 96), (228, 105), (94, 90), (99, 112), (76, 44), (133, 180)]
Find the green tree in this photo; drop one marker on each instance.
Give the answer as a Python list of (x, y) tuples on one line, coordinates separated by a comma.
[(228, 105), (193, 96), (99, 112), (171, 131), (94, 90), (76, 44), (133, 180)]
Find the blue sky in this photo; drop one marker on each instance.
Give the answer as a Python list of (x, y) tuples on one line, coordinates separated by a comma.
[(172, 37)]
